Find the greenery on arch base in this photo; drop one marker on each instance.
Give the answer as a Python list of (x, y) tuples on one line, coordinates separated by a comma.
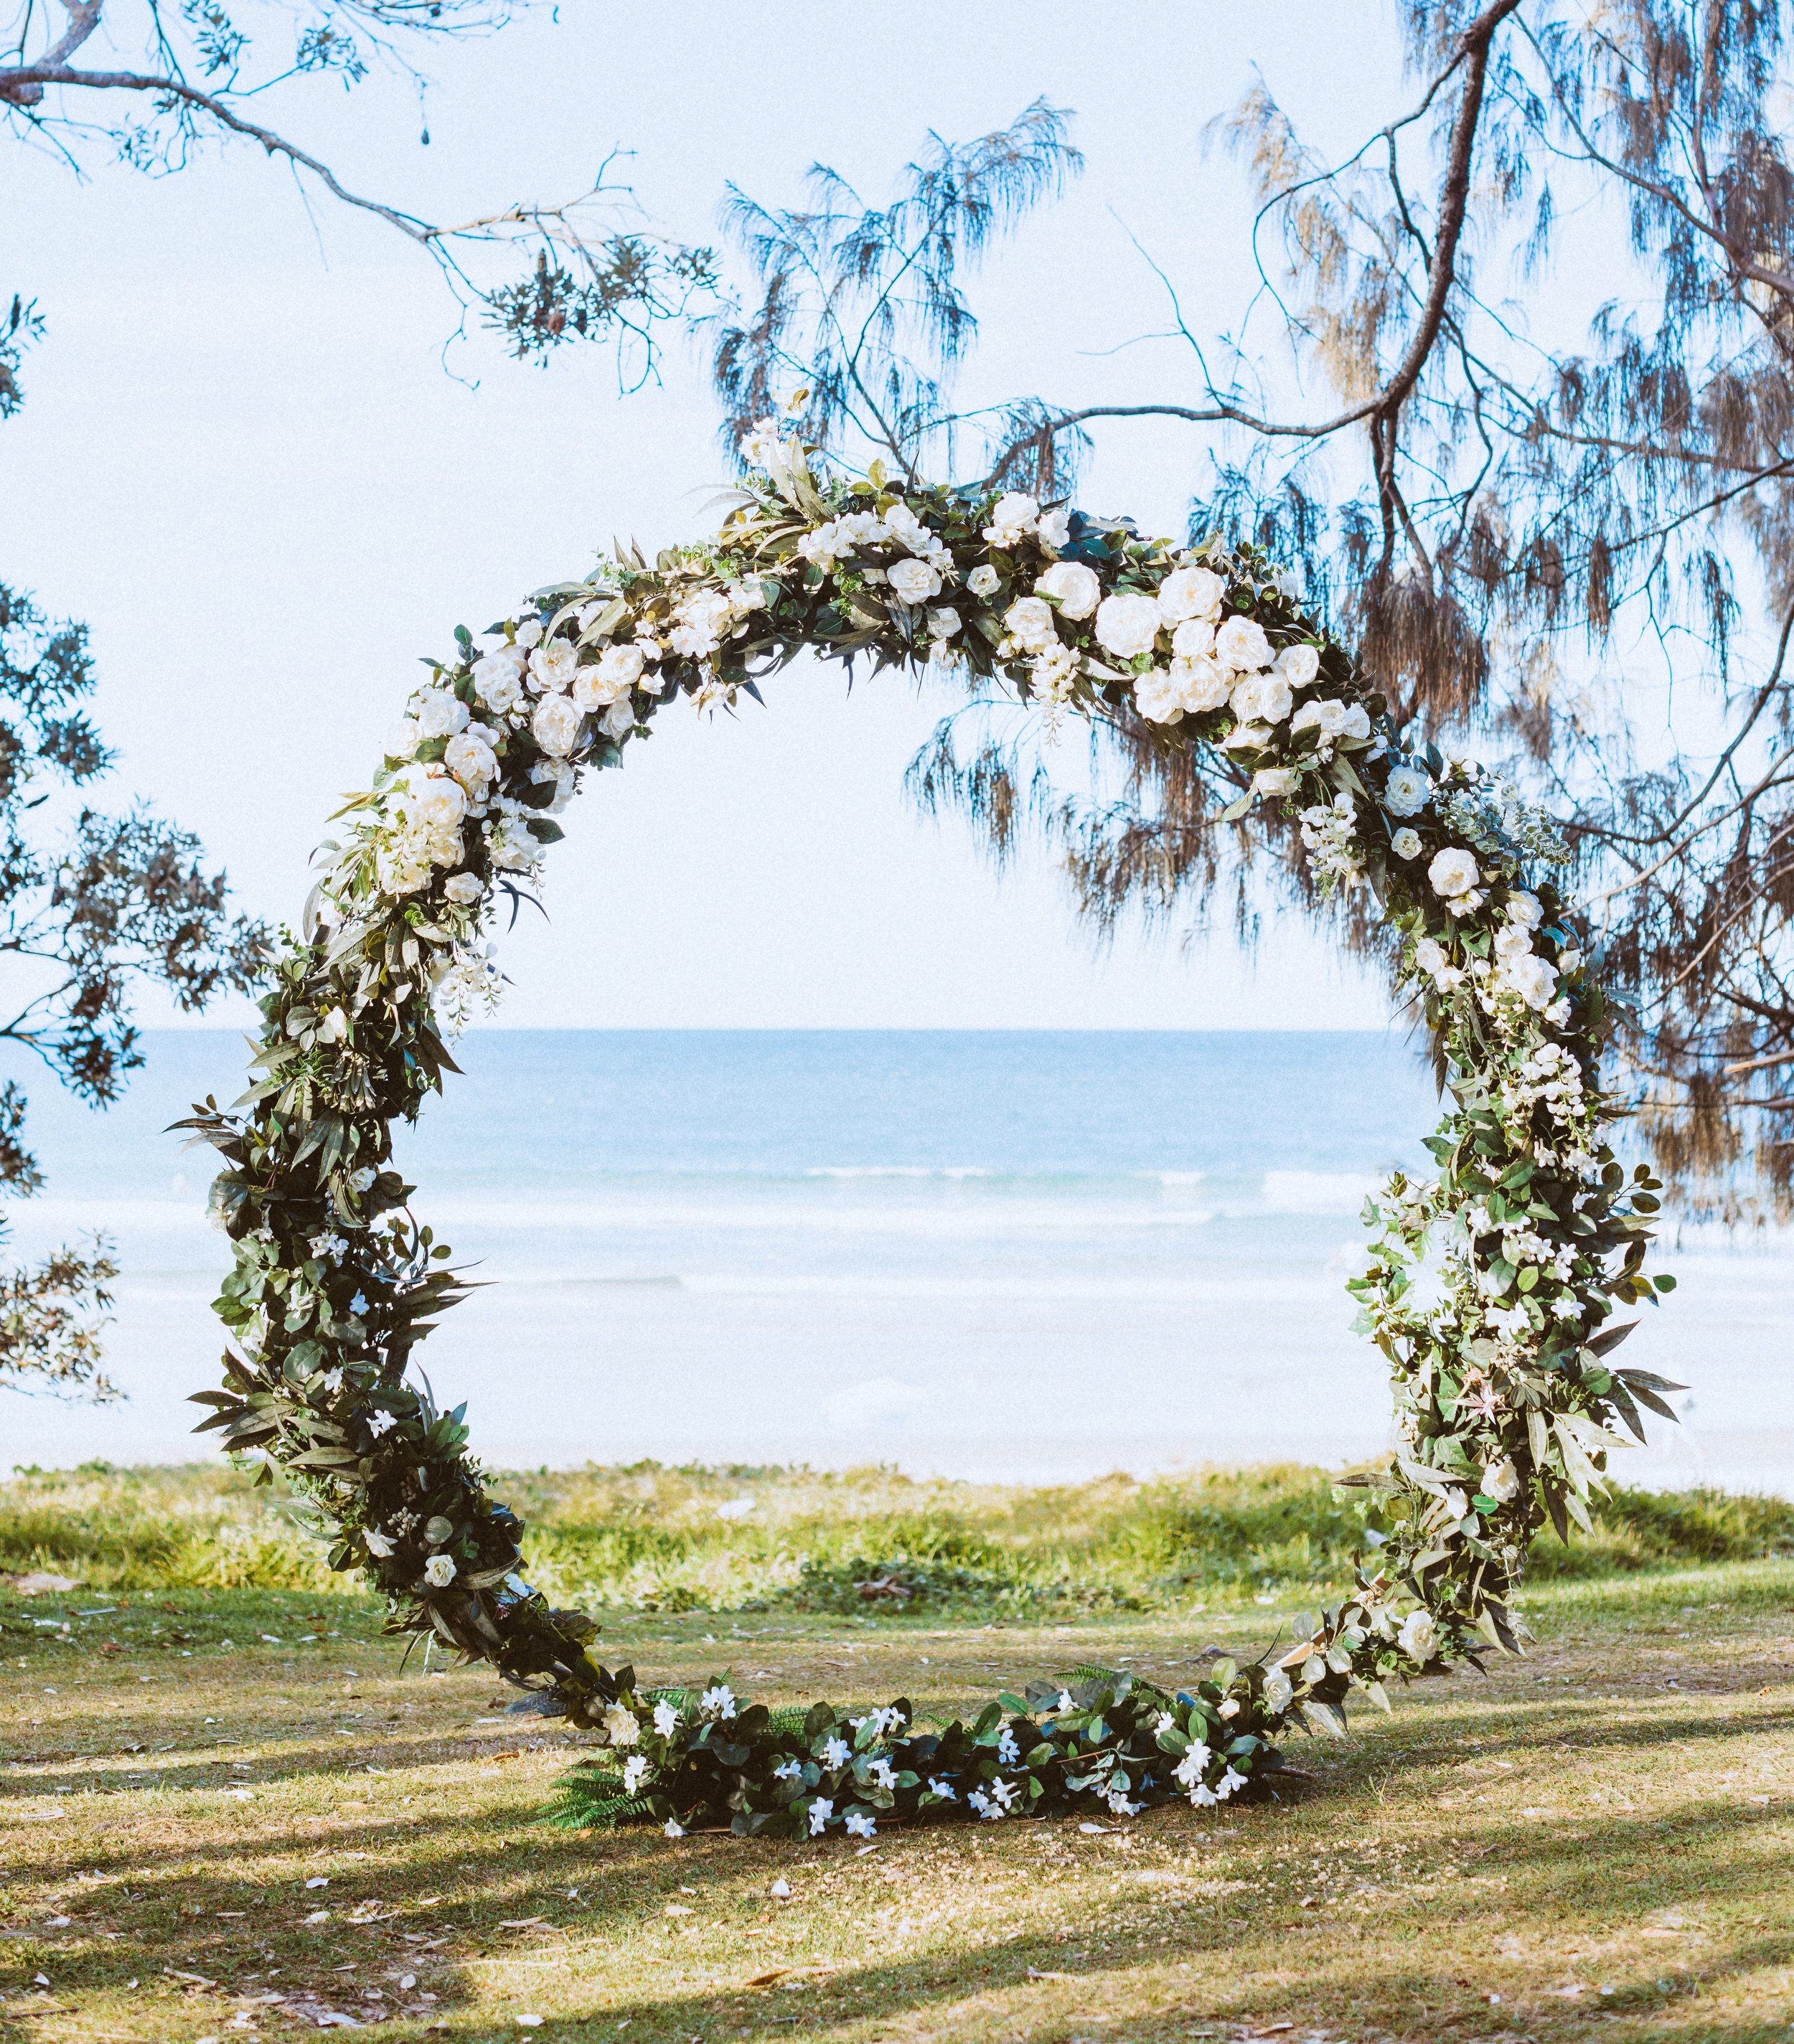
[(1490, 1287)]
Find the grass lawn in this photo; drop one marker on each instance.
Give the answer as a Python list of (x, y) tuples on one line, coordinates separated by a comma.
[(1598, 1840)]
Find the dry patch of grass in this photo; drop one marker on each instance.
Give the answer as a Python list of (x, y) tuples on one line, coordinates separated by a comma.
[(1595, 1841)]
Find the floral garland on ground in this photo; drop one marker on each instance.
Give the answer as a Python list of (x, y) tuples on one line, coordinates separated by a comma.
[(1488, 1287)]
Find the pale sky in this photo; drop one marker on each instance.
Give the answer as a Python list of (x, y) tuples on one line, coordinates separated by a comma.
[(242, 461)]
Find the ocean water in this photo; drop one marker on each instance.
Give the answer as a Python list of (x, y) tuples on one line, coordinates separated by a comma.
[(1023, 1254)]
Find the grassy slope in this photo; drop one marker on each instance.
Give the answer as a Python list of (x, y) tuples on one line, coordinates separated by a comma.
[(1601, 1832)]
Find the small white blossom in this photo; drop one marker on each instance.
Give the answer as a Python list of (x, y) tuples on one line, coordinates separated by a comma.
[(719, 1702), (861, 1824), (666, 1718)]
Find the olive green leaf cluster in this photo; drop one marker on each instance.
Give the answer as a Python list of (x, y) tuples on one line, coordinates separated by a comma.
[(1489, 1290)]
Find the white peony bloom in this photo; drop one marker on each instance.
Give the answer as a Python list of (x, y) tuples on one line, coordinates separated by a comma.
[(1406, 844), (1194, 640), (1127, 625), (404, 739), (983, 581), (471, 760), (1299, 665), (434, 800), (1200, 683), (1242, 645), (1276, 781), (1419, 1637), (555, 725), (553, 666), (1073, 586), (1501, 1480), (439, 1571), (1055, 528), (463, 888), (1188, 594), (1512, 940), (1274, 697), (1278, 1693), (1029, 622), (618, 719), (944, 623), (439, 713), (1407, 791), (915, 582), (1454, 871)]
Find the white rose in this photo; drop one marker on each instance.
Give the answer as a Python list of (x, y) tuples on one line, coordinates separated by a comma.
[(1191, 593), (1535, 981), (1243, 696), (1275, 780), (618, 718), (1029, 621), (1127, 625), (1242, 644), (984, 582), (915, 582), (1055, 528), (1356, 722), (944, 623), (470, 759), (619, 669), (620, 1723), (556, 726), (1194, 638), (1201, 684), (439, 713), (1407, 791), (1014, 513), (1157, 696), (1453, 871), (498, 677), (553, 666), (1273, 698), (1074, 586), (436, 801), (403, 740), (1278, 1693), (463, 888), (439, 1571), (1419, 1637), (1512, 940), (1299, 665), (1525, 909), (529, 633), (1501, 1480), (1406, 844)]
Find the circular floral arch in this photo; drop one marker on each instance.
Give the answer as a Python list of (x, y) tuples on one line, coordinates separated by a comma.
[(1488, 1287)]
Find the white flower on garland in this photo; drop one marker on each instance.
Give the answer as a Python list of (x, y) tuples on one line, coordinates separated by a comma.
[(1012, 519), (439, 713), (555, 725), (1501, 1480), (1454, 873), (1419, 1637), (1195, 638), (1332, 721), (703, 620), (463, 888), (1191, 593), (1127, 625), (378, 1543), (1432, 959), (666, 1718), (1054, 529), (762, 447), (621, 1726), (1407, 791), (915, 582), (553, 665), (617, 670), (439, 1571), (1406, 844), (329, 1247), (1330, 832), (497, 678), (1299, 665), (1158, 695), (380, 1423), (619, 718), (404, 739), (1074, 588), (470, 758), (943, 623), (1200, 682), (1278, 1691), (1265, 696), (1029, 622), (983, 581), (1242, 645), (1276, 781)]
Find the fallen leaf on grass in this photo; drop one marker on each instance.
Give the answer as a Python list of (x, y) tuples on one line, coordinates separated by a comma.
[(525, 1922)]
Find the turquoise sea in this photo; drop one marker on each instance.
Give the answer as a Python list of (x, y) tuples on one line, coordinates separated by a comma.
[(1008, 1254)]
